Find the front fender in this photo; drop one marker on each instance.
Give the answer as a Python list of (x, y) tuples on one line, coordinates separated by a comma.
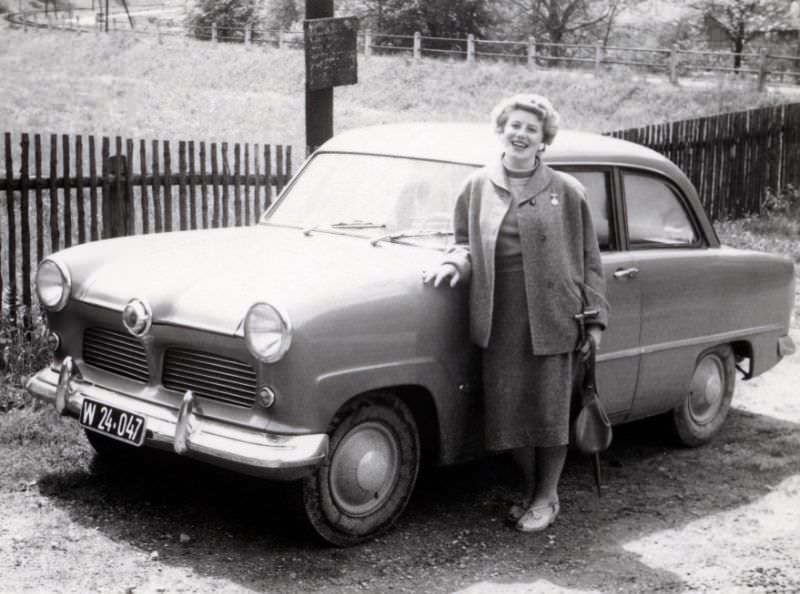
[(454, 403)]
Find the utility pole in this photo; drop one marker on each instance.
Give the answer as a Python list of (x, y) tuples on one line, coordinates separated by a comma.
[(319, 103)]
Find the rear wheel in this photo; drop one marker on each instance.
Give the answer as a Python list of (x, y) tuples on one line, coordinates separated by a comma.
[(701, 414), (365, 483)]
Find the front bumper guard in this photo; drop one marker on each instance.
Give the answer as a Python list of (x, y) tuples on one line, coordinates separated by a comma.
[(187, 432)]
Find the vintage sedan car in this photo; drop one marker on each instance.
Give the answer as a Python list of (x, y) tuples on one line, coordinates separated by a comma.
[(307, 348)]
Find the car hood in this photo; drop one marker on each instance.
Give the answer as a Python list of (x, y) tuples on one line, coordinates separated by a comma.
[(208, 279)]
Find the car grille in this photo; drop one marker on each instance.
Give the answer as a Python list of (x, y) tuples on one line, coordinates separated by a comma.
[(210, 376), (117, 352)]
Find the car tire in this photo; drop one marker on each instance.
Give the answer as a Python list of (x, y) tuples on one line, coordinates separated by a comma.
[(704, 409), (367, 478)]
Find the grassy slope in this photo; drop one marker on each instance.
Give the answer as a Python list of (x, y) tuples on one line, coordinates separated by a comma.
[(136, 88)]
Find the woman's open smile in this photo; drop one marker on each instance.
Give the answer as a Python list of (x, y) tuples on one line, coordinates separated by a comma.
[(522, 137)]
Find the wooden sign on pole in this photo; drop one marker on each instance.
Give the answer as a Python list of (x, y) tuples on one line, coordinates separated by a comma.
[(330, 48), (331, 52)]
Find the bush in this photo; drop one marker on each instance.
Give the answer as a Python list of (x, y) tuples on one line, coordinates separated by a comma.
[(22, 352), (784, 202), (230, 16)]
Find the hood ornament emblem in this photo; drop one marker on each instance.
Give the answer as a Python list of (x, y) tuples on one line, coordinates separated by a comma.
[(137, 317)]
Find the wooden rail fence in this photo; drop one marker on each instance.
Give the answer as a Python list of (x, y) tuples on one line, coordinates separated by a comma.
[(62, 193), (732, 158)]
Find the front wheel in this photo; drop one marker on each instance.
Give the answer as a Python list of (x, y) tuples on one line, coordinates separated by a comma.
[(365, 483), (701, 414)]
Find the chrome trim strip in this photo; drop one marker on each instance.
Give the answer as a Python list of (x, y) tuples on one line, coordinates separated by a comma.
[(720, 337), (257, 451), (717, 338)]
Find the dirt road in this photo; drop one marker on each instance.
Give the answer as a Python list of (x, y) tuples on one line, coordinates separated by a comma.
[(725, 517)]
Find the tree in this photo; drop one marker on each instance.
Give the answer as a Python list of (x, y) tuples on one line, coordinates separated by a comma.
[(282, 14), (743, 20), (556, 19), (434, 18), (230, 16)]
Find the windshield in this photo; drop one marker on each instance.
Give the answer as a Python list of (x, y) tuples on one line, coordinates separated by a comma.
[(373, 196)]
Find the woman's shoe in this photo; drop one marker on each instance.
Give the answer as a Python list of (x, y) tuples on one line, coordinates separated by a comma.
[(516, 512), (536, 519)]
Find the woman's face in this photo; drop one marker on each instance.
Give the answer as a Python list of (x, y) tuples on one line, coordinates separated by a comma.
[(522, 137)]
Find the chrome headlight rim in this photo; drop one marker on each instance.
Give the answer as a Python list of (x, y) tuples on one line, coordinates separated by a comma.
[(66, 284), (279, 315)]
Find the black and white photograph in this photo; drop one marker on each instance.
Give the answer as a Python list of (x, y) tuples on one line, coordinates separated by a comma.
[(447, 296)]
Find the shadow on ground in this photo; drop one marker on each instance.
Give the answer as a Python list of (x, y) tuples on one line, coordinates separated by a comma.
[(452, 534)]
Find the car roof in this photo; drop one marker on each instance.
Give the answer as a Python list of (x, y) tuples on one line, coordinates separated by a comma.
[(477, 144)]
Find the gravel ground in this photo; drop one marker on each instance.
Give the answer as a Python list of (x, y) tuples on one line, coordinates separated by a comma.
[(725, 517)]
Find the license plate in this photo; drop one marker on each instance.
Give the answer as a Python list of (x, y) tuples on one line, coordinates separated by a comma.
[(108, 420)]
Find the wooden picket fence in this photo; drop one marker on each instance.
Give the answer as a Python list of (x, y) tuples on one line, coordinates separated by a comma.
[(58, 198), (732, 158)]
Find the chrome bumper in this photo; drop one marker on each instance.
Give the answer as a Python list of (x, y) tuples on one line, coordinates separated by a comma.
[(188, 433)]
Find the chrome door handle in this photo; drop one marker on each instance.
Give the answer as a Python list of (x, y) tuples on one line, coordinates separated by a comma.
[(626, 272)]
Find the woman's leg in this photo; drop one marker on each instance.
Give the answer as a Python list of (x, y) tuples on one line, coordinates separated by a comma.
[(544, 508), (549, 464), (525, 459)]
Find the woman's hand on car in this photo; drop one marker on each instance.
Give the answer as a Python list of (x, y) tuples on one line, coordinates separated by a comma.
[(440, 275)]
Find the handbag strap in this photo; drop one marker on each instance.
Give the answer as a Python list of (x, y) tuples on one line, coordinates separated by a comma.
[(589, 379)]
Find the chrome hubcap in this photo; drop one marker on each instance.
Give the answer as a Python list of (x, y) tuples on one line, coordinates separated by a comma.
[(707, 390), (364, 469)]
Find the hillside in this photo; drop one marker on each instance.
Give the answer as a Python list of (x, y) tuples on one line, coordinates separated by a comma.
[(122, 84)]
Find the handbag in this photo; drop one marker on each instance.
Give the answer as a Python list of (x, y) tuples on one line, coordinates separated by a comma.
[(591, 431)]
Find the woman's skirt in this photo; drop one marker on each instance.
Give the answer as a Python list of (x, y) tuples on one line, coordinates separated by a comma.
[(527, 397)]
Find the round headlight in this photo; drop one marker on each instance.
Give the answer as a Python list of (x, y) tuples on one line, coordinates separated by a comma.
[(53, 284), (268, 332)]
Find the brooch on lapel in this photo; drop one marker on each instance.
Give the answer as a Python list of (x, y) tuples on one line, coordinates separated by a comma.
[(553, 198)]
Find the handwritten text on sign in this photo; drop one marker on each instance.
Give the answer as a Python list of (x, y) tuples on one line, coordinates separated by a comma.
[(330, 52)]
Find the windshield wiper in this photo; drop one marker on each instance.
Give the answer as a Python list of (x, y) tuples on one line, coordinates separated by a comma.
[(356, 224), (395, 236)]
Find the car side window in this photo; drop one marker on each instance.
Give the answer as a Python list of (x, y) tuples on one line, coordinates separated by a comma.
[(596, 184), (656, 214)]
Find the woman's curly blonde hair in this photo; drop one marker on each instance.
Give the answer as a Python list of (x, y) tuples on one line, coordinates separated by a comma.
[(535, 104)]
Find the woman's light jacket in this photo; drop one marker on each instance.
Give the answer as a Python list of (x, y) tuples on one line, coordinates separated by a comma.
[(561, 258)]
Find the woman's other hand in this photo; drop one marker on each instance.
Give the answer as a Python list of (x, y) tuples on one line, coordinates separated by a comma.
[(596, 332), (440, 275)]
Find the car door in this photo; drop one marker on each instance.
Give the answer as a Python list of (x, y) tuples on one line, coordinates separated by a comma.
[(677, 295), (618, 358)]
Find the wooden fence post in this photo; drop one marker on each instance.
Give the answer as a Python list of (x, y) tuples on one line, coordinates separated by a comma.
[(598, 58), (248, 35), (470, 49), (417, 45), (532, 52), (214, 32), (762, 69), (281, 40), (367, 43), (673, 64), (114, 211), (158, 33)]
